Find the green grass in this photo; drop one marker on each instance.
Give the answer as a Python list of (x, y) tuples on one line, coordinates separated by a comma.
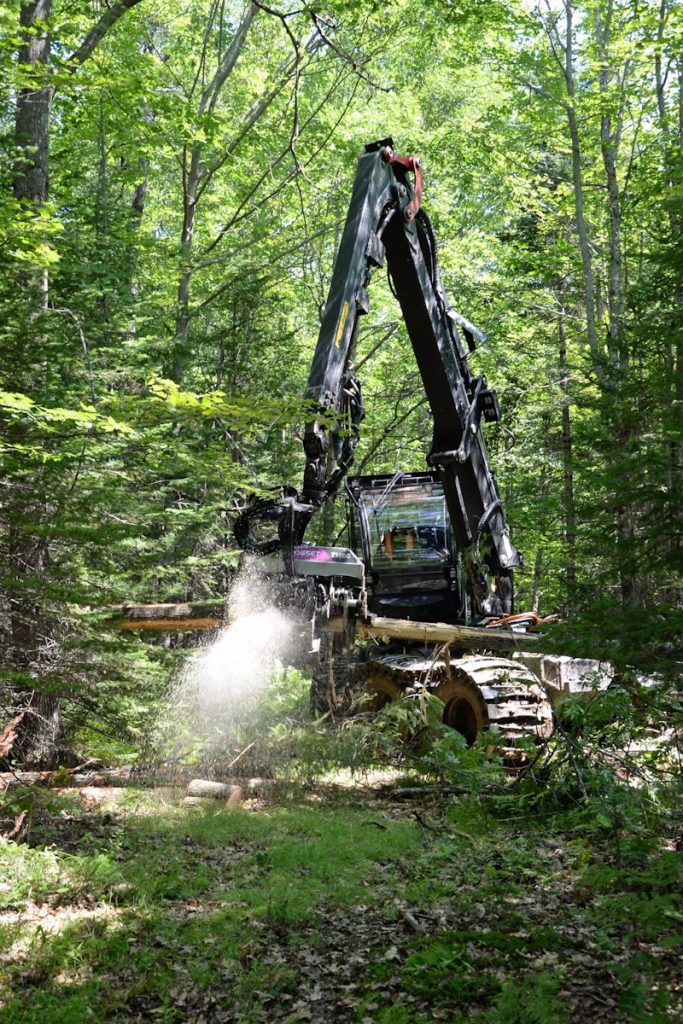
[(180, 895), (297, 912)]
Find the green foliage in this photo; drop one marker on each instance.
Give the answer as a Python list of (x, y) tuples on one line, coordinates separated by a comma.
[(533, 1002)]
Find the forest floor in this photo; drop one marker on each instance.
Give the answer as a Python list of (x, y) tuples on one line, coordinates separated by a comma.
[(331, 905)]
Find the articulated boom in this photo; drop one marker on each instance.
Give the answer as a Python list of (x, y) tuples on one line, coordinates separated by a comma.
[(385, 219)]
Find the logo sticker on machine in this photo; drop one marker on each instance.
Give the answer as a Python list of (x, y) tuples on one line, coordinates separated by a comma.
[(316, 553), (312, 554)]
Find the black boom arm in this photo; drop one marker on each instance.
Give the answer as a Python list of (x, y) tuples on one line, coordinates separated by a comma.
[(385, 219)]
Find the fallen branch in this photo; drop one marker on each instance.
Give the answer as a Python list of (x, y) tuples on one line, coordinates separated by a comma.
[(9, 734), (407, 792), (240, 755), (101, 777)]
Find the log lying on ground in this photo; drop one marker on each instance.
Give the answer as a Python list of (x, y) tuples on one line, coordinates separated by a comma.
[(203, 791), (210, 615), (99, 777), (216, 790)]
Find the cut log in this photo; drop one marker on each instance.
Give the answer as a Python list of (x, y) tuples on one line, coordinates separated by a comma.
[(202, 792), (194, 615), (469, 637), (210, 615), (213, 790)]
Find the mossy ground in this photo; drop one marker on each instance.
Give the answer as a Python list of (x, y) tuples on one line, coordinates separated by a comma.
[(332, 906)]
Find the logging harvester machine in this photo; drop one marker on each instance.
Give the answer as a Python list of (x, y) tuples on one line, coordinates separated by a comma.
[(430, 555)]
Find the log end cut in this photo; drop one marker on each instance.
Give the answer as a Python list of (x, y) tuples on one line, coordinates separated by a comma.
[(203, 791)]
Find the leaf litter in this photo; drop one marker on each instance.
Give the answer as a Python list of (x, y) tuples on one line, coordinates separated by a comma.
[(449, 932)]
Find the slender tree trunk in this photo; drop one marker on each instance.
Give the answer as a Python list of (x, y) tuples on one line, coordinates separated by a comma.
[(615, 291), (102, 213), (584, 240), (539, 573), (137, 204), (672, 154), (182, 323), (617, 385), (671, 130), (195, 178), (610, 134), (567, 467), (579, 202)]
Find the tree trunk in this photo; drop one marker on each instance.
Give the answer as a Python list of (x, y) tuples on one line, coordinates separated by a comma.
[(34, 104), (584, 241), (610, 135), (182, 324), (32, 124), (38, 730), (672, 150), (195, 178), (568, 468), (538, 580), (579, 205), (102, 213)]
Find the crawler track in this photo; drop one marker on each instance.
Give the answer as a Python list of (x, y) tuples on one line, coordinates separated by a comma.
[(478, 692)]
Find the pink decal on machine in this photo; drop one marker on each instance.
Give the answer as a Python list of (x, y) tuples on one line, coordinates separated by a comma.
[(312, 554)]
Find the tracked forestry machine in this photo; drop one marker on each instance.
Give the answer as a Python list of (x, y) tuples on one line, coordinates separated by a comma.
[(428, 573)]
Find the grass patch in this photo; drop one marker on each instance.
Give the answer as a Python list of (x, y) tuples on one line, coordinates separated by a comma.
[(188, 892), (312, 911)]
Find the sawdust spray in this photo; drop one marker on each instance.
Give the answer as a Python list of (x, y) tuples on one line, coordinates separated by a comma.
[(214, 701)]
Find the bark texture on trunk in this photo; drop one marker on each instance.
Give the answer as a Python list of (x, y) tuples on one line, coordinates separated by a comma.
[(567, 466), (579, 202), (196, 176), (34, 104), (610, 138)]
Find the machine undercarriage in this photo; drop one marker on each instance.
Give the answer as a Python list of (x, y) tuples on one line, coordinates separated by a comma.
[(479, 692)]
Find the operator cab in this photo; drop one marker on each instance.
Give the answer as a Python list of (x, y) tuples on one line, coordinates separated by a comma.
[(399, 526)]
